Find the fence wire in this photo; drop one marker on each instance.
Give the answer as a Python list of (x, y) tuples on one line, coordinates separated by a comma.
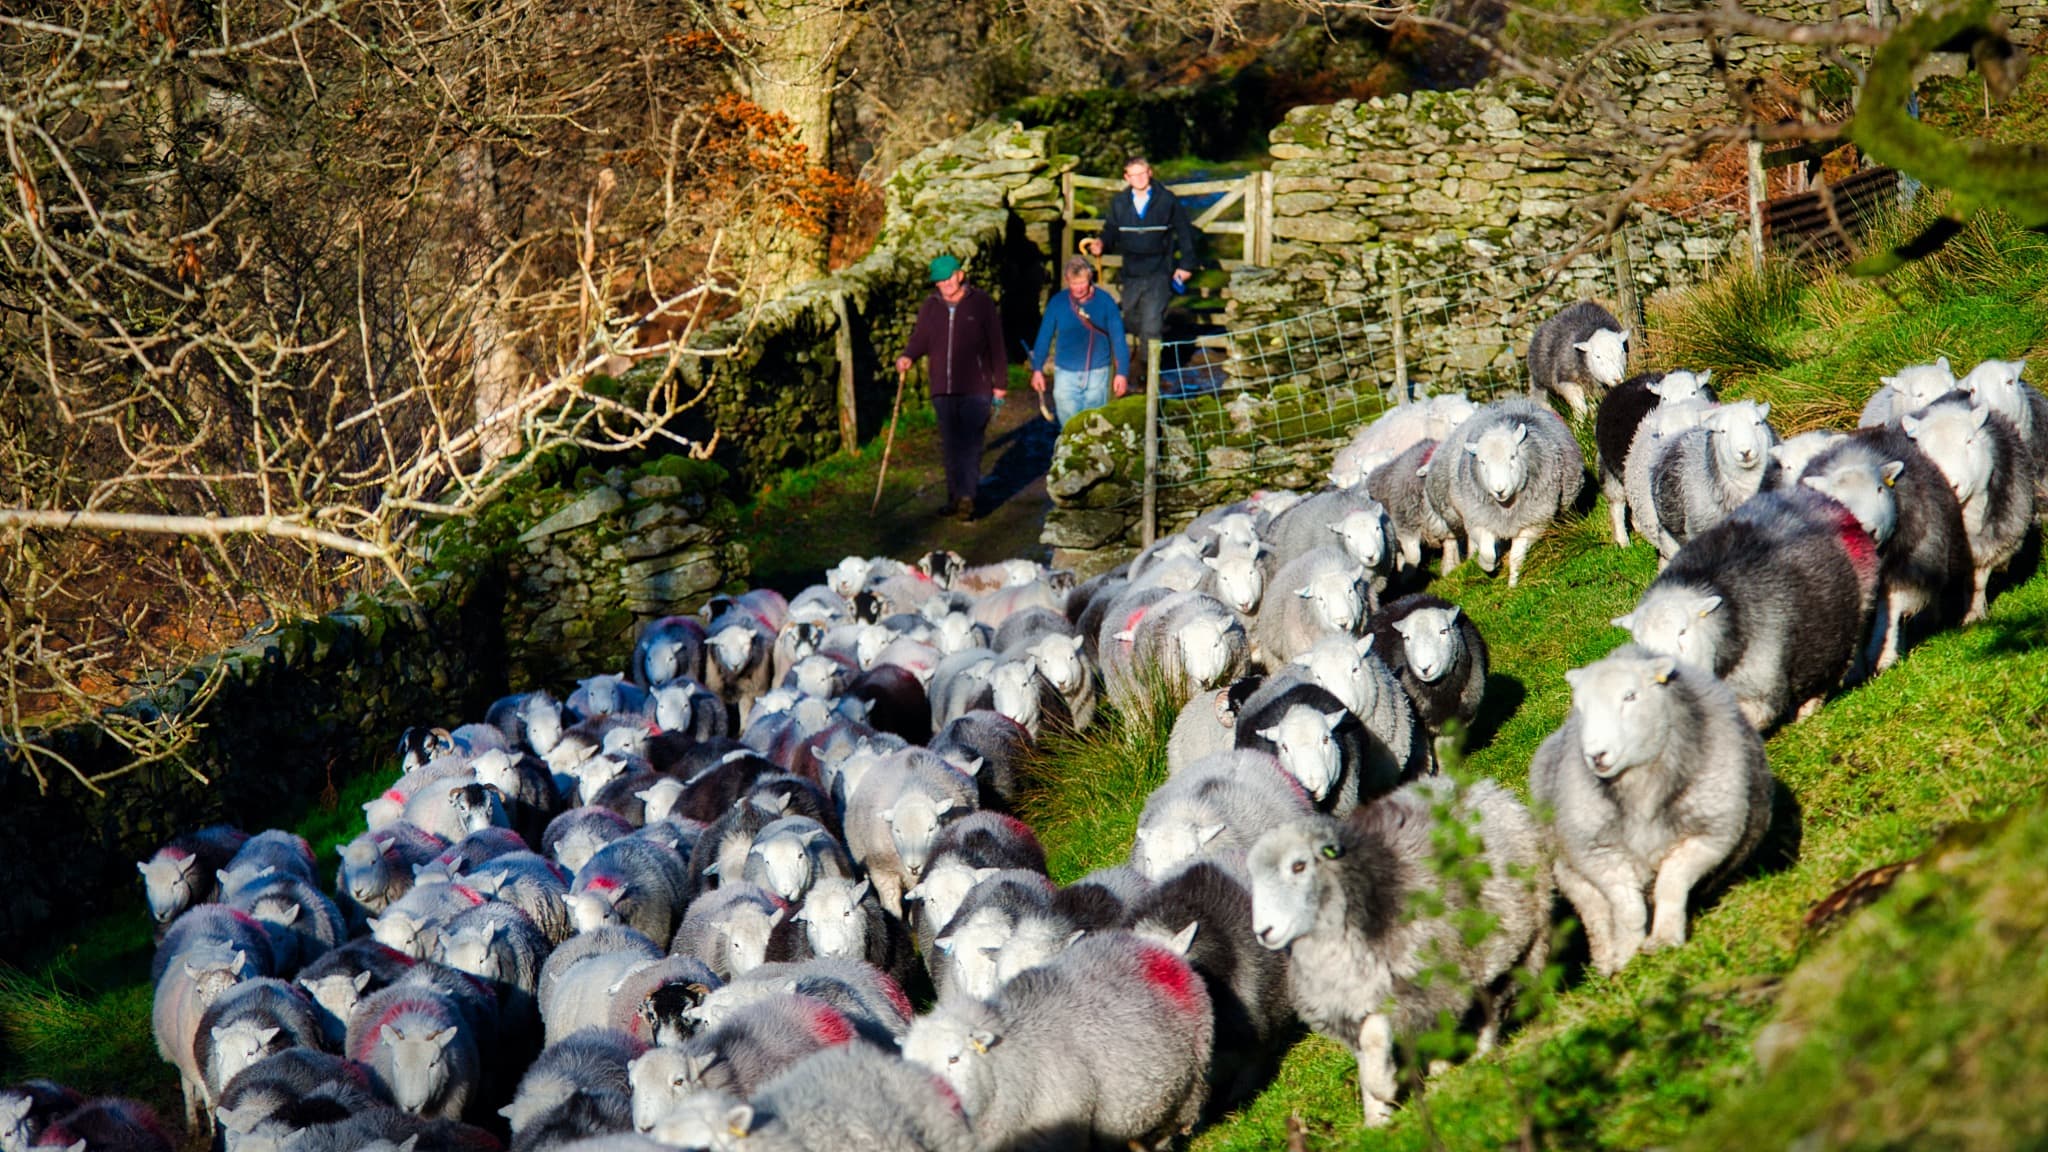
[(1243, 407)]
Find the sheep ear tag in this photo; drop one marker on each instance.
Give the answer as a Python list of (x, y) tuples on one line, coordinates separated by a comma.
[(1332, 851), (1891, 473)]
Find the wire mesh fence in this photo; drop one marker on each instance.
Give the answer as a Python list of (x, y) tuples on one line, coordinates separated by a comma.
[(1245, 405)]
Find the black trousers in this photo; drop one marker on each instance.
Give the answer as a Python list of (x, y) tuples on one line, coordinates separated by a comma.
[(963, 422), (1144, 302)]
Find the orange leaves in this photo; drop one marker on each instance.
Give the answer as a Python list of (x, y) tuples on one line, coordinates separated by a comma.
[(754, 152)]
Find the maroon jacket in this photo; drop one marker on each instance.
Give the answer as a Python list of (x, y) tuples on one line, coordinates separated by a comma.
[(964, 344)]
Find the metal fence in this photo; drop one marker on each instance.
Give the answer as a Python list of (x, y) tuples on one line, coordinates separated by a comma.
[(1243, 406)]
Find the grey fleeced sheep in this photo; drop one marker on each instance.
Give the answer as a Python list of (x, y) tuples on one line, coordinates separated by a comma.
[(1191, 642), (1661, 424), (1397, 431), (1914, 388), (578, 1087), (895, 814), (631, 881), (420, 1047), (1438, 653), (1341, 898), (1504, 475), (1322, 592), (1996, 384), (1992, 474), (1218, 805), (1702, 474), (1775, 601), (732, 930), (1346, 517), (250, 1021), (1577, 355), (1110, 1042), (181, 874), (1614, 430), (857, 1098), (1322, 745), (793, 853), (1401, 486), (1350, 669), (1656, 782)]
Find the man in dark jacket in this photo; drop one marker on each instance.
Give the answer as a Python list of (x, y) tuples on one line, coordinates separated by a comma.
[(1151, 230), (961, 333)]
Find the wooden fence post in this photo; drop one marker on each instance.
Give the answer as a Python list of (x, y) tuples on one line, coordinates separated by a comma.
[(1150, 514), (1756, 204), (849, 414), (1402, 387), (1625, 294)]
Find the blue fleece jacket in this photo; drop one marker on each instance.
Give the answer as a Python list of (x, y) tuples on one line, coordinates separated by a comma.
[(1079, 348)]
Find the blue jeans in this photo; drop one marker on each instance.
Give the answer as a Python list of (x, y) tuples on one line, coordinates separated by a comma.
[(1076, 392)]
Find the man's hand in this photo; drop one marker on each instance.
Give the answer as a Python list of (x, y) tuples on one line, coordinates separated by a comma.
[(1120, 385), (1091, 246), (1038, 382), (999, 393), (1182, 275), (902, 365)]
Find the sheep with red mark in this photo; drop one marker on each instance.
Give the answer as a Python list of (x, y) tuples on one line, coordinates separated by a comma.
[(420, 1048), (1109, 1042), (182, 874), (631, 881), (378, 867), (741, 1054)]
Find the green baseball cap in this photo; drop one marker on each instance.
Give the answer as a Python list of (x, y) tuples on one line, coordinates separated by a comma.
[(943, 267)]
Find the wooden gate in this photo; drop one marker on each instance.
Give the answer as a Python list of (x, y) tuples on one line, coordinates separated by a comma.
[(1248, 198)]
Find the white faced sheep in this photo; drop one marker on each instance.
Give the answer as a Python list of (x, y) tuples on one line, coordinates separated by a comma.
[(1217, 806), (1350, 669), (1354, 518), (1996, 384), (1577, 355), (1396, 431), (1504, 475), (1700, 475), (631, 881), (1322, 745), (1344, 898), (1775, 601), (1914, 388), (1191, 642), (1320, 593), (181, 874), (577, 977), (857, 1098), (1656, 782), (1401, 487), (1906, 505), (421, 1046), (1992, 475), (735, 929), (1614, 429), (894, 816), (1663, 423), (1438, 653), (1237, 574), (1018, 690), (576, 1088), (1108, 1043), (1792, 455)]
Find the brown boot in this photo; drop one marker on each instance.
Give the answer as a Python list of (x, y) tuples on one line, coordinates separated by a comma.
[(964, 508)]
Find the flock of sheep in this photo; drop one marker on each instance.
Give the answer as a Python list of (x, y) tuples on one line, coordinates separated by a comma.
[(692, 906)]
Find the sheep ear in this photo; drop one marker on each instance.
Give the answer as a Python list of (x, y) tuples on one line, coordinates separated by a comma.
[(1888, 381), (1304, 593), (776, 917), (973, 767), (944, 944), (1978, 416), (739, 1119), (1625, 334), (1661, 669), (1575, 677), (1471, 449), (1270, 734), (1334, 718), (1708, 605), (1363, 644), (1763, 410), (142, 866), (1208, 832), (1941, 362), (506, 1112), (361, 980), (1891, 471), (267, 1035), (1706, 377), (860, 891), (1521, 432), (1626, 622), (1183, 939), (1910, 424), (288, 918), (949, 804), (1583, 346)]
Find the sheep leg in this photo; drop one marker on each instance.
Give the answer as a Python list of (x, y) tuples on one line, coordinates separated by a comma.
[(1518, 552), (1884, 635), (1594, 914), (1682, 869), (1979, 601), (1483, 544), (1451, 557), (1377, 1085), (889, 890), (1759, 713), (1617, 512), (1629, 914), (1411, 551), (1807, 709)]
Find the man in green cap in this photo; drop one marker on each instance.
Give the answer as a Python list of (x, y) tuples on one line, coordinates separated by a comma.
[(961, 333)]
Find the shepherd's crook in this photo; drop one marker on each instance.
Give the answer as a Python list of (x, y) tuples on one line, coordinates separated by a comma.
[(888, 445)]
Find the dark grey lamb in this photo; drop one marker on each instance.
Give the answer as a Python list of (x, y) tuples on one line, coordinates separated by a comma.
[(1438, 653), (1577, 355)]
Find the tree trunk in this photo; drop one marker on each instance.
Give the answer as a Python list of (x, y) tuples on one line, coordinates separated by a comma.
[(494, 354), (793, 70)]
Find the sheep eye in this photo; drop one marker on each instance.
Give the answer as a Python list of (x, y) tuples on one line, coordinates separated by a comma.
[(1300, 865), (1628, 698), (952, 1059)]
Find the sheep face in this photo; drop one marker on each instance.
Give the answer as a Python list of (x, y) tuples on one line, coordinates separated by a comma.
[(956, 633), (14, 1127), (1337, 598), (816, 675), (1606, 356), (914, 822), (399, 932), (1240, 582), (1364, 535), (660, 1079), (1306, 749), (170, 883), (1339, 668), (942, 891), (1431, 641), (1995, 384), (1059, 661), (1682, 385), (847, 576), (1237, 530), (783, 865), (419, 1063), (365, 871), (955, 1047), (237, 1046), (712, 1121), (660, 798), (1288, 869), (1795, 454), (601, 693), (1741, 435), (834, 921), (339, 993), (1956, 440), (568, 752), (1165, 844), (589, 911), (574, 850), (743, 937), (1206, 650), (1622, 708), (733, 647), (1036, 941), (469, 950), (1919, 385), (542, 718), (1679, 622), (1499, 464), (1865, 489), (1014, 689), (974, 949)]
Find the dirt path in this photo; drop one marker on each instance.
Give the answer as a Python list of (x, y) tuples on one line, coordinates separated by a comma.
[(795, 536)]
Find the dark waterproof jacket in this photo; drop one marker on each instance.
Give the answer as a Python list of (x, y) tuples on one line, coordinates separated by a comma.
[(1147, 242), (964, 344)]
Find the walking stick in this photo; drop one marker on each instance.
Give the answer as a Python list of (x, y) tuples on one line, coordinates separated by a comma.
[(888, 445)]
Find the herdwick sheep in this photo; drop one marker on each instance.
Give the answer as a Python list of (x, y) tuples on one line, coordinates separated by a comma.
[(1992, 475), (1583, 349), (1656, 782), (1108, 1043), (1216, 807), (1774, 601), (733, 930), (1663, 423), (1397, 431), (1438, 653), (893, 818), (1238, 574), (1401, 487), (1906, 505), (1914, 388), (1346, 900), (583, 1078), (1350, 669), (1615, 425), (1505, 474), (1322, 592), (1207, 724), (857, 1098), (1191, 642), (1322, 745), (1792, 455), (1996, 384), (181, 874), (1699, 476), (1356, 520)]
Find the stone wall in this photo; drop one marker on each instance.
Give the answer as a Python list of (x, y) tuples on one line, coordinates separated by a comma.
[(989, 197), (543, 586)]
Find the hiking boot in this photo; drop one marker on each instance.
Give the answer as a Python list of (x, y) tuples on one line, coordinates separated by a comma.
[(963, 508)]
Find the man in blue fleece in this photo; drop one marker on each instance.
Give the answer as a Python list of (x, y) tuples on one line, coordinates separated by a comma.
[(1093, 358)]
